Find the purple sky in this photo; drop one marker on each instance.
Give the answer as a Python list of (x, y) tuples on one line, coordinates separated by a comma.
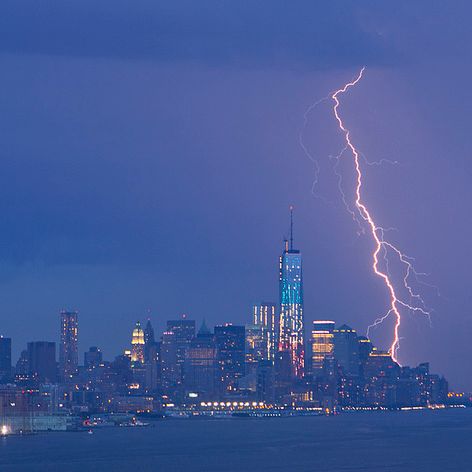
[(150, 154)]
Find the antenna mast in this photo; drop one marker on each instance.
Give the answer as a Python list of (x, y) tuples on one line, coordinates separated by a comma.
[(291, 227)]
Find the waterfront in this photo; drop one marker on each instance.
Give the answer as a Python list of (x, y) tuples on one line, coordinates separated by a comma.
[(414, 441)]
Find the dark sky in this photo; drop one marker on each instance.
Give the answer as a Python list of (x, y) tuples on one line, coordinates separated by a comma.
[(149, 153)]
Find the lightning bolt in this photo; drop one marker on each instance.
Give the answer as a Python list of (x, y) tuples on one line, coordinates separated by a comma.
[(339, 175), (336, 159), (382, 247), (308, 154)]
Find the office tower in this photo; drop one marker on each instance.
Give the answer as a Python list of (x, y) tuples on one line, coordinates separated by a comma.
[(265, 381), (381, 364), (93, 357), (200, 365), (365, 348), (149, 340), (152, 365), (152, 356), (422, 376), (137, 344), (42, 361), (121, 374), (230, 344), (68, 350), (149, 333), (184, 329), (184, 332), (5, 359), (291, 305), (264, 315), (346, 350), (255, 352), (381, 374), (170, 368), (256, 344), (322, 344), (283, 375), (22, 368), (438, 389)]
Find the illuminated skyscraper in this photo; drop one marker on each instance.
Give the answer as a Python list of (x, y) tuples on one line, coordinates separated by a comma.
[(137, 344), (264, 316), (291, 305), (322, 344), (68, 351)]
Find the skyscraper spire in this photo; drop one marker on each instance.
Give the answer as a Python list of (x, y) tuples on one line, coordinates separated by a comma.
[(291, 227)]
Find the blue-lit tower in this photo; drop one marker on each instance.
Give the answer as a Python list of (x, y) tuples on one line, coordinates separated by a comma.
[(292, 337)]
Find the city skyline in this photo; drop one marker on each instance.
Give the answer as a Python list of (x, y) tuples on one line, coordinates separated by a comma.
[(235, 236), (271, 329), (114, 196)]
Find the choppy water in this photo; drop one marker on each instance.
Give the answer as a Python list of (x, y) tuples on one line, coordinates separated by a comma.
[(430, 441)]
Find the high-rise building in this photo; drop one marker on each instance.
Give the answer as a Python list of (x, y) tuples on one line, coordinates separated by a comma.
[(22, 368), (346, 349), (256, 352), (120, 373), (5, 359), (283, 375), (264, 315), (149, 333), (170, 369), (291, 305), (230, 343), (322, 344), (256, 344), (152, 364), (265, 381), (381, 373), (184, 332), (149, 375), (149, 341), (42, 361), (365, 348), (68, 350), (200, 365), (184, 328), (137, 344), (93, 357)]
